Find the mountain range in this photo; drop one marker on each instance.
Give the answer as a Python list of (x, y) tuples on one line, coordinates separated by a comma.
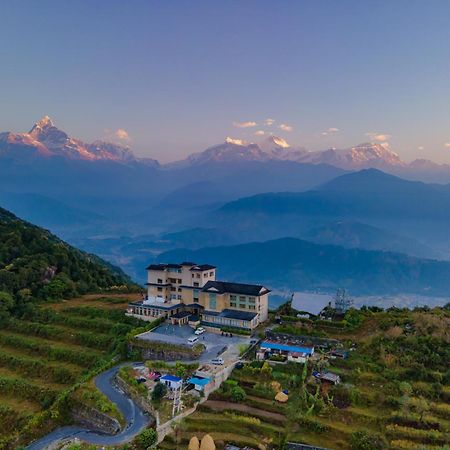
[(46, 140), (129, 210)]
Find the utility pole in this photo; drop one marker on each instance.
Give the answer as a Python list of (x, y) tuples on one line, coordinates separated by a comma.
[(342, 302)]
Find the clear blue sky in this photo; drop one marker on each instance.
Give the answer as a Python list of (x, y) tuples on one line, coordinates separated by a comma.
[(175, 75)]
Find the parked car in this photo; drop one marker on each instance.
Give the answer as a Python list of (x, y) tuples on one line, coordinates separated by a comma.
[(217, 361), (239, 365), (199, 330), (192, 340)]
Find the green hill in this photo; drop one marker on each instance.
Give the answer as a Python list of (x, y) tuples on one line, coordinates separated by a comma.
[(36, 265), (297, 264)]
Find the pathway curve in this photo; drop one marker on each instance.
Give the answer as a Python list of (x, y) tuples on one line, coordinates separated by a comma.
[(136, 420)]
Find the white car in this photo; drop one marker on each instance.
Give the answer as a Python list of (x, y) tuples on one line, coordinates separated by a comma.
[(199, 331), (218, 361)]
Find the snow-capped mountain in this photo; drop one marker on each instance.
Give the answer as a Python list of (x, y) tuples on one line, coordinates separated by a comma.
[(274, 148), (362, 156), (46, 140)]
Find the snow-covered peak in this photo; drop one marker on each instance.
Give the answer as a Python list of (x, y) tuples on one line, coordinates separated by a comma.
[(45, 139), (42, 124), (275, 140), (229, 140)]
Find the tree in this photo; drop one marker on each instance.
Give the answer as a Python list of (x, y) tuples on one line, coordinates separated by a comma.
[(362, 440), (6, 304), (146, 439), (238, 394), (159, 391)]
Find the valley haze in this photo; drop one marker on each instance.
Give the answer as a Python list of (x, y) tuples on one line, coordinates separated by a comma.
[(352, 202)]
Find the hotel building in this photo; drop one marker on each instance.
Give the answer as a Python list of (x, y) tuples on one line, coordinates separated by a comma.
[(190, 293)]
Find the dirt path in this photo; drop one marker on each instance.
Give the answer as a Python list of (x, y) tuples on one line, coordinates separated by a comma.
[(218, 405)]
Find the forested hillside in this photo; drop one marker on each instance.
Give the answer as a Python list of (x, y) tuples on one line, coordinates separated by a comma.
[(36, 265)]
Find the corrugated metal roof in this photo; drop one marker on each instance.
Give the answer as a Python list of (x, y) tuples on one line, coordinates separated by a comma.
[(287, 348)]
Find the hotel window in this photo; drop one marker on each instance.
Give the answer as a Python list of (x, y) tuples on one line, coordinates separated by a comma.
[(173, 289), (160, 289), (251, 307), (232, 304), (211, 274), (251, 299), (196, 284), (198, 275), (242, 298), (179, 280), (179, 289), (212, 301), (159, 280), (179, 297), (195, 295)]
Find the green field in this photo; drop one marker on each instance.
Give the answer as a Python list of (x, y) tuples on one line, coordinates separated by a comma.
[(395, 391), (49, 351)]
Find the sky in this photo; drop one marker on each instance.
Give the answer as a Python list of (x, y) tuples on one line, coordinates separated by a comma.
[(170, 78)]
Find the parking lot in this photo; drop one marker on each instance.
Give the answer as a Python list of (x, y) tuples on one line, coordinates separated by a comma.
[(214, 343)]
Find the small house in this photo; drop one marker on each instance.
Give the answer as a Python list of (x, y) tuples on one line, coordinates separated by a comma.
[(296, 352), (171, 381), (328, 377), (339, 353), (201, 384)]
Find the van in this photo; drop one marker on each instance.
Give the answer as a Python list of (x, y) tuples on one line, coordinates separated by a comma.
[(192, 340), (218, 361)]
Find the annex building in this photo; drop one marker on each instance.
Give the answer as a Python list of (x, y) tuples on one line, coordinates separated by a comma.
[(190, 293)]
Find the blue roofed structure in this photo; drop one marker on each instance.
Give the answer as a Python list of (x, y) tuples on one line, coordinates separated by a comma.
[(286, 348)]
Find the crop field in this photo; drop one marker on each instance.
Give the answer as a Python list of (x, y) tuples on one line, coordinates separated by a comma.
[(51, 349), (394, 393)]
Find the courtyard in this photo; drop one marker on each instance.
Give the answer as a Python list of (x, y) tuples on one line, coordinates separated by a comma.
[(226, 347)]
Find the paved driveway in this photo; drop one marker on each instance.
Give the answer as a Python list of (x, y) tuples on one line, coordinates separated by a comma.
[(214, 343)]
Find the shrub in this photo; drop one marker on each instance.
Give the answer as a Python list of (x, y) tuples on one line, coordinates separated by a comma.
[(146, 439), (159, 391), (362, 440), (238, 394)]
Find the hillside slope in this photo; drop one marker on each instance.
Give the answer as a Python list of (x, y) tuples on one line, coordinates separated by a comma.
[(296, 264), (35, 264)]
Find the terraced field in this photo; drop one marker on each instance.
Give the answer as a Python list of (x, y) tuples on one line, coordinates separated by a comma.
[(46, 353), (394, 394)]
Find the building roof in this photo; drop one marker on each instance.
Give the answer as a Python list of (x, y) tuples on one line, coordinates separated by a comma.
[(181, 315), (232, 314), (199, 381), (163, 266), (192, 265), (235, 288), (202, 267), (286, 348), (327, 376), (171, 378), (164, 306), (298, 446)]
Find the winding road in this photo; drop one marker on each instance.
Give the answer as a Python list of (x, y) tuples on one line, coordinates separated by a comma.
[(136, 419)]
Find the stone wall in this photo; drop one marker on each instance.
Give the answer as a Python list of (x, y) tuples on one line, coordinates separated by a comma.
[(95, 420), (138, 399)]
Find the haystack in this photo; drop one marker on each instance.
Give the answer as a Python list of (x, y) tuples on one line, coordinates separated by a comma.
[(276, 387), (194, 443), (281, 397), (207, 443)]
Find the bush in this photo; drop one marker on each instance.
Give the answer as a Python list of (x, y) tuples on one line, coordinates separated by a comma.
[(159, 391), (362, 440), (146, 439), (238, 394)]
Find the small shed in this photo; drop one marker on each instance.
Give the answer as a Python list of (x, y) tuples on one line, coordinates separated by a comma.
[(328, 377), (200, 384), (171, 381)]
